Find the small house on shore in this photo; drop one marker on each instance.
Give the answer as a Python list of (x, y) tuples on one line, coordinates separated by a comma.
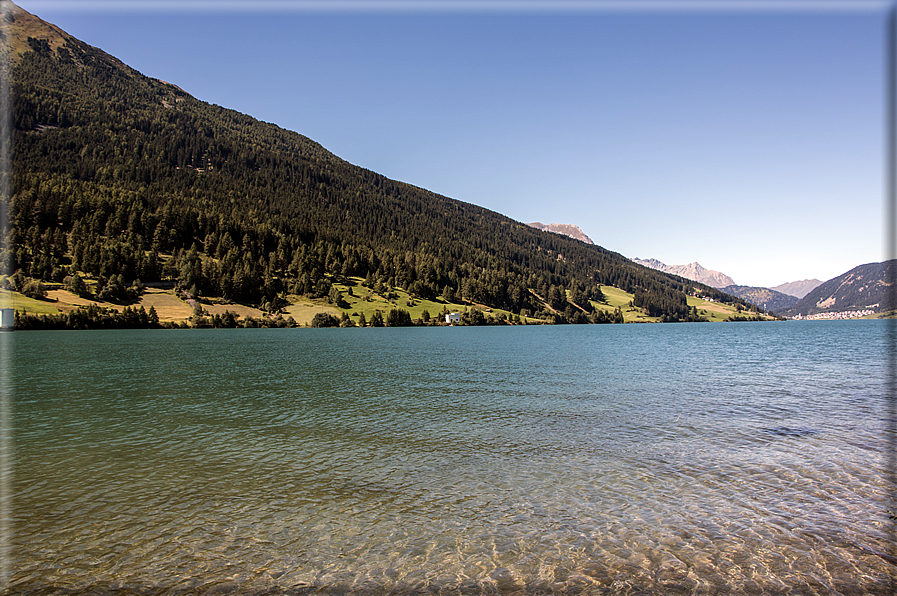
[(453, 317)]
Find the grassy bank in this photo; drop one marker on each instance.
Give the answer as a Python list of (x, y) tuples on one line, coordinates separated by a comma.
[(356, 302)]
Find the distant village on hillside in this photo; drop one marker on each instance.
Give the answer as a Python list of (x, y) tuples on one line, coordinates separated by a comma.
[(845, 314)]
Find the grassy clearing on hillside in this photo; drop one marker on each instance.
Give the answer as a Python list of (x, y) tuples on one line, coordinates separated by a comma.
[(241, 310), (67, 301), (617, 298), (712, 311), (717, 311), (23, 303), (364, 301), (168, 306), (304, 311)]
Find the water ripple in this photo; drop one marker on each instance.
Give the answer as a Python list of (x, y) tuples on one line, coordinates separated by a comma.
[(463, 461)]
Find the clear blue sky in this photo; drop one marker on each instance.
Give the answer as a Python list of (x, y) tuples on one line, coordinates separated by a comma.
[(750, 140)]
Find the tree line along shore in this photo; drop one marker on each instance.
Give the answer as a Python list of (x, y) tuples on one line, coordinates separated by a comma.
[(349, 303)]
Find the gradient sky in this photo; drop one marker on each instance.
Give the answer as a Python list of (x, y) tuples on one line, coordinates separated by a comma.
[(748, 139)]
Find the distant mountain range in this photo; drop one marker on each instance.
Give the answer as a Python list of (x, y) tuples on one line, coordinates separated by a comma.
[(863, 287), (766, 298), (798, 289), (692, 271), (566, 229)]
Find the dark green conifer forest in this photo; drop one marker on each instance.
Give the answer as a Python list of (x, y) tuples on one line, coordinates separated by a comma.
[(128, 180)]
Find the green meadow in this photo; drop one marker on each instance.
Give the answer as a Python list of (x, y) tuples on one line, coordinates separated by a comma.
[(616, 298), (357, 301), (717, 311), (22, 303), (362, 300), (712, 311)]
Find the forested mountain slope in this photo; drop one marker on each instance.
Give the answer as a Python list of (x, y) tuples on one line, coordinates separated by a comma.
[(866, 287), (119, 176), (766, 298)]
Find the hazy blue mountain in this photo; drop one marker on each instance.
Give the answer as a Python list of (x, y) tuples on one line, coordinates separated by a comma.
[(798, 289), (766, 298)]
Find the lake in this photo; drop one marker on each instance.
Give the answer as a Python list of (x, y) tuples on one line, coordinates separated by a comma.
[(624, 459)]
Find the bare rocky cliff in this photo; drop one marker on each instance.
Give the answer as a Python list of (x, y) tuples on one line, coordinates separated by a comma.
[(566, 229), (693, 271)]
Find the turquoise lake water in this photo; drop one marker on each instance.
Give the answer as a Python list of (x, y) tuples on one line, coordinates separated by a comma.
[(618, 459)]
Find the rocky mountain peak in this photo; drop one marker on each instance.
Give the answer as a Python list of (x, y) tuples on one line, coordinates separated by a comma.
[(570, 230), (693, 271)]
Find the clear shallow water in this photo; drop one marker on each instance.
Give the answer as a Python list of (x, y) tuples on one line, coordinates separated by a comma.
[(659, 459)]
